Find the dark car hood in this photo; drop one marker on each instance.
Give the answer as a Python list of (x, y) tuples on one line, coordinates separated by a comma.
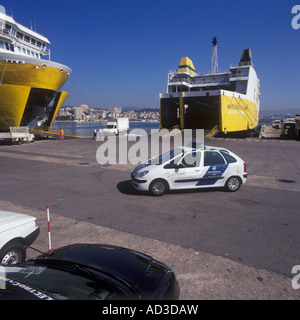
[(129, 265)]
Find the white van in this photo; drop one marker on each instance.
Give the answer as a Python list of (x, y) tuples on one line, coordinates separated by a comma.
[(116, 126), (17, 232), (190, 168)]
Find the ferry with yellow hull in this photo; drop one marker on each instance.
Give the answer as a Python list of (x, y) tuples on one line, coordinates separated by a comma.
[(220, 103), (29, 85)]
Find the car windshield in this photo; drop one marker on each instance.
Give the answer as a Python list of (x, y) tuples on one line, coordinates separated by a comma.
[(61, 283), (166, 156)]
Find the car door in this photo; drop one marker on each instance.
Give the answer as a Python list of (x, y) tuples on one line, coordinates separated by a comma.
[(187, 173), (213, 170)]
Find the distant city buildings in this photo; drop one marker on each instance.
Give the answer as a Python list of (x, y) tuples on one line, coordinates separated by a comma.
[(85, 113), (78, 113)]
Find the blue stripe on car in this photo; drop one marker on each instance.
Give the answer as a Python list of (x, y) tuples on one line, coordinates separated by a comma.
[(213, 174)]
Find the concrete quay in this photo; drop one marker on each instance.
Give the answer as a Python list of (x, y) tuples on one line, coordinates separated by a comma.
[(221, 245), (268, 132)]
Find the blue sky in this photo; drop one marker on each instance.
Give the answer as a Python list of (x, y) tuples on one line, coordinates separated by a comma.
[(121, 51)]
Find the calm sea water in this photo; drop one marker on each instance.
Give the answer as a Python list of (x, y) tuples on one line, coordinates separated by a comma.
[(87, 129)]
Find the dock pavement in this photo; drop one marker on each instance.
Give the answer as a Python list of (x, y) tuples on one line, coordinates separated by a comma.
[(222, 246)]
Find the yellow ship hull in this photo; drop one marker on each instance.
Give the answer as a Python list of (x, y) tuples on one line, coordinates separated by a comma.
[(237, 114), (26, 90), (219, 110), (12, 104)]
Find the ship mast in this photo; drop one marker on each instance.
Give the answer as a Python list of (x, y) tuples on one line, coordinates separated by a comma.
[(214, 58)]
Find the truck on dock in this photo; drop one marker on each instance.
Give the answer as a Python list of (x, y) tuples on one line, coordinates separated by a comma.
[(116, 126), (17, 135), (297, 120), (289, 129)]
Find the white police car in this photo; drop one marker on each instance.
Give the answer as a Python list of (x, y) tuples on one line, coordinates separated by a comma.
[(190, 168)]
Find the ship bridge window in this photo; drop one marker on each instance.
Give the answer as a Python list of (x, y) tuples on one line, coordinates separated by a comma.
[(27, 39), (7, 29), (20, 35), (33, 41), (39, 44), (171, 89)]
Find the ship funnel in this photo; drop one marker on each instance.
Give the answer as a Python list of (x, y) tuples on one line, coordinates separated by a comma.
[(246, 58), (186, 65)]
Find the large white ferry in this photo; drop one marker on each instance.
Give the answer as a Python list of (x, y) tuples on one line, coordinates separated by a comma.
[(222, 103), (29, 84)]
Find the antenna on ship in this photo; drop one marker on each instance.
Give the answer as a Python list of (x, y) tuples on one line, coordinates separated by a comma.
[(214, 58)]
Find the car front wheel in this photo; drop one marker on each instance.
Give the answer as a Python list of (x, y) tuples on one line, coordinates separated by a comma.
[(12, 253), (233, 184), (158, 187)]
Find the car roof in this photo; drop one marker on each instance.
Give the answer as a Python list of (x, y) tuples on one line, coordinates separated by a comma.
[(202, 148)]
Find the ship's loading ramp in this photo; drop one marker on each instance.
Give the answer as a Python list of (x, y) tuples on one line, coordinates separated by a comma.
[(201, 112)]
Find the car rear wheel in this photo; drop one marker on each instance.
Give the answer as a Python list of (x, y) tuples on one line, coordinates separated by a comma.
[(233, 184), (13, 253), (158, 187)]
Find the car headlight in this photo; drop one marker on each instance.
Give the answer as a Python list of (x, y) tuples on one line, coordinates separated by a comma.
[(142, 174)]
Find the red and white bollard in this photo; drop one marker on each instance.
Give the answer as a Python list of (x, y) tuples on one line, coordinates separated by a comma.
[(49, 233)]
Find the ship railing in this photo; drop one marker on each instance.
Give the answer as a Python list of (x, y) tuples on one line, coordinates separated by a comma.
[(42, 49), (202, 81), (12, 35), (180, 80), (7, 33), (175, 71), (242, 64)]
